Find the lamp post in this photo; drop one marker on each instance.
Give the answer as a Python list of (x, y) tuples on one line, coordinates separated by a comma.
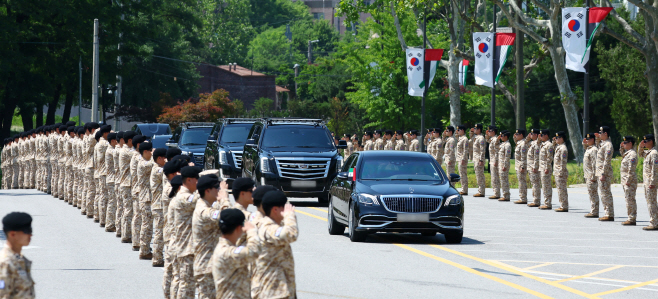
[(310, 50)]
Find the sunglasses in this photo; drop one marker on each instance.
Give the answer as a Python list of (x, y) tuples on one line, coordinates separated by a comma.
[(626, 142)]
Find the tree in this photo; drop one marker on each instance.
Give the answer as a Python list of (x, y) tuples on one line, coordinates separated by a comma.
[(209, 107), (262, 107), (339, 116)]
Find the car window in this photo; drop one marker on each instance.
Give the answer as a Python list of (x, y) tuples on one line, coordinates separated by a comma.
[(351, 162), (400, 168), (235, 134), (196, 136), (296, 137)]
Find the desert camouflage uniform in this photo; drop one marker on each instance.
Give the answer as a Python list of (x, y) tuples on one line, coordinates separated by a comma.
[(144, 182), (183, 208), (449, 154), (15, 164), (438, 150), (69, 172), (117, 189), (532, 161), (111, 209), (102, 170), (156, 186), (15, 275), (462, 162), (561, 174), (520, 165), (54, 162), (388, 146), (479, 148), (136, 223), (275, 267), (414, 145), (400, 145), (169, 256), (205, 235), (78, 184), (32, 164), (63, 170), (125, 155), (369, 145), (230, 267), (604, 170), (629, 182), (379, 144), (589, 169), (90, 172), (349, 150), (494, 147), (504, 155), (545, 159), (650, 175)]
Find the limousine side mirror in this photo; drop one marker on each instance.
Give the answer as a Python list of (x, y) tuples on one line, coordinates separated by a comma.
[(454, 178), (250, 142), (342, 144), (342, 175)]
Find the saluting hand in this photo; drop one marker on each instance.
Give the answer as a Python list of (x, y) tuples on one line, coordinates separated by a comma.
[(223, 185), (247, 226), (288, 209)]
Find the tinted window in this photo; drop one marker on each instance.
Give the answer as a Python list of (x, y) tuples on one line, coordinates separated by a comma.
[(296, 137), (235, 134), (196, 136), (400, 168)]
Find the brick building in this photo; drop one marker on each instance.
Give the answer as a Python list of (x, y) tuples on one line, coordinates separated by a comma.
[(326, 10), (241, 83)]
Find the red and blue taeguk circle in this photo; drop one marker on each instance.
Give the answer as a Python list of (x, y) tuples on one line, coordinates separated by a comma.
[(483, 47), (574, 25), (414, 61)]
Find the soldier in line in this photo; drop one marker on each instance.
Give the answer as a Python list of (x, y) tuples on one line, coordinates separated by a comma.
[(350, 146), (54, 159), (504, 155), (650, 175), (61, 176), (275, 267), (413, 143), (479, 148), (96, 201), (15, 268), (125, 181), (545, 169), (172, 184), (449, 151), (494, 146), (604, 173), (242, 191), (629, 177), (155, 183), (118, 219), (589, 171), (388, 143), (379, 142), (230, 261), (5, 172), (88, 162), (111, 205), (462, 158), (205, 231), (258, 194), (78, 194), (520, 156), (400, 145), (368, 144), (437, 145), (532, 161), (560, 171), (69, 174), (144, 182), (182, 207), (14, 162), (136, 223), (102, 171)]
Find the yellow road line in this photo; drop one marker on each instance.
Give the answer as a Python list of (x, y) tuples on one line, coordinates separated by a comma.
[(537, 266), (309, 214), (517, 271), (321, 210), (628, 287), (589, 274), (473, 271)]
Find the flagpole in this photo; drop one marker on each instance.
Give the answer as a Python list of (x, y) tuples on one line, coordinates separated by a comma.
[(493, 71), (426, 79), (586, 84)]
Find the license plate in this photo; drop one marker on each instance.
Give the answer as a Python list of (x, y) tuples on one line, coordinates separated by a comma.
[(414, 217), (303, 184)]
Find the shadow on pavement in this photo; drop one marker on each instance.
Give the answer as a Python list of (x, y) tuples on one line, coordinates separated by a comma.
[(415, 239), (308, 204)]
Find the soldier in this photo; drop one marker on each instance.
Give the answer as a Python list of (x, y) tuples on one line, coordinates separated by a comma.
[(102, 166), (589, 171), (494, 146), (231, 261), (172, 183), (242, 191), (532, 160), (15, 161), (205, 231), (257, 195), (629, 177), (369, 145), (182, 207), (144, 194), (97, 174), (462, 158), (78, 187), (61, 161), (54, 159), (604, 173), (275, 267), (350, 147), (399, 141), (32, 156), (560, 171), (379, 142), (355, 143), (117, 183), (437, 145), (68, 164), (650, 176), (89, 170), (388, 137), (15, 269), (156, 186), (111, 201), (479, 149), (125, 181), (136, 159), (520, 156), (449, 151), (545, 169), (413, 144), (504, 155)]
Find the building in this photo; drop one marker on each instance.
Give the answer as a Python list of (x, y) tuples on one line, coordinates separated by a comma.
[(326, 9), (241, 83)]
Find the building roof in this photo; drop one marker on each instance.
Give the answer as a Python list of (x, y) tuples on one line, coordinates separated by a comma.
[(240, 71), (281, 89)]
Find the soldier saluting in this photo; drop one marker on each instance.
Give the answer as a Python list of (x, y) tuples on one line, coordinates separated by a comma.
[(629, 178), (650, 175)]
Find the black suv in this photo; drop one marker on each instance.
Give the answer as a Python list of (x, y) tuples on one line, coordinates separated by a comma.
[(297, 156), (191, 138), (225, 145)]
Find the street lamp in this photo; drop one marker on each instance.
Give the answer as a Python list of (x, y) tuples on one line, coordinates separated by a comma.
[(296, 67), (310, 50)]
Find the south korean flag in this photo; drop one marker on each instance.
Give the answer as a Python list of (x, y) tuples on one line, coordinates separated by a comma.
[(574, 39)]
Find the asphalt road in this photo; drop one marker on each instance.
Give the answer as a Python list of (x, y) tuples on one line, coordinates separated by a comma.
[(509, 251)]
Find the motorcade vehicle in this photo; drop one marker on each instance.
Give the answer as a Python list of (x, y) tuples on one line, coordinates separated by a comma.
[(160, 141), (395, 191), (151, 129), (190, 138), (297, 156), (225, 145)]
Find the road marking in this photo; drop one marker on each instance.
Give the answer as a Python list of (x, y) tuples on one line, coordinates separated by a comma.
[(516, 271), (311, 215), (547, 231), (590, 274), (565, 263), (535, 238), (328, 295), (537, 266), (628, 287), (560, 253), (321, 210), (573, 246), (473, 271)]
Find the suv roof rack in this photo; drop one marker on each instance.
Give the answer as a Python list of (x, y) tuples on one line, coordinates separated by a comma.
[(282, 120), (239, 120), (197, 124)]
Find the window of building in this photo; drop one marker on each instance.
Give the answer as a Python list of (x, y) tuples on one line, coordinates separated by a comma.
[(318, 15)]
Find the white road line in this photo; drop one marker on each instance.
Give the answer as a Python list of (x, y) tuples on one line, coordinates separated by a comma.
[(572, 246), (536, 238), (557, 253), (544, 231)]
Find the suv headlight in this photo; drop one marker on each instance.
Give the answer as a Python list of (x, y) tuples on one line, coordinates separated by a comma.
[(222, 157), (185, 153), (367, 199), (339, 163), (264, 165), (453, 200)]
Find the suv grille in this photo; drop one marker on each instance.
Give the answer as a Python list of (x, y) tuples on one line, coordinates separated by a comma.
[(237, 159), (198, 159), (412, 203), (303, 168)]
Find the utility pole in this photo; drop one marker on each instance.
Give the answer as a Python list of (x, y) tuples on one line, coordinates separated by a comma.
[(310, 50), (493, 73), (586, 84), (296, 67), (426, 79), (117, 95), (94, 83), (80, 92), (520, 88)]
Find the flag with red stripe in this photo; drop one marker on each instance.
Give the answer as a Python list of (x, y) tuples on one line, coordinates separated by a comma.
[(504, 43)]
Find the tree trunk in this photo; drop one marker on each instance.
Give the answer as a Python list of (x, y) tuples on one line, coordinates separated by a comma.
[(651, 57), (39, 114), (26, 114), (455, 91), (52, 106), (7, 116), (68, 102)]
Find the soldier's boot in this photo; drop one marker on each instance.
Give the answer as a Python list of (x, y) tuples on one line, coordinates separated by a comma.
[(650, 227), (533, 205), (503, 199), (135, 248), (110, 230), (493, 197), (520, 202), (592, 215), (606, 218), (478, 195), (628, 222), (127, 240), (561, 210), (158, 263), (463, 193), (545, 207), (147, 256)]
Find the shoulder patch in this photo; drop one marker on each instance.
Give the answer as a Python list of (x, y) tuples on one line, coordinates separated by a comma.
[(609, 152), (215, 215), (656, 162), (160, 170), (2, 284), (237, 250), (550, 150), (191, 198), (278, 230), (564, 155), (633, 161), (252, 217)]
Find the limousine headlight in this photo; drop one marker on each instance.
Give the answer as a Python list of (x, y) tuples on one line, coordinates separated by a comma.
[(453, 200), (368, 199)]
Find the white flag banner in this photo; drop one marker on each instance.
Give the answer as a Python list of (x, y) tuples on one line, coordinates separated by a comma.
[(415, 64), (574, 39), (483, 44)]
